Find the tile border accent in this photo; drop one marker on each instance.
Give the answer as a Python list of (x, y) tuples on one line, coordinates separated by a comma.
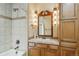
[(10, 18), (17, 18), (5, 17)]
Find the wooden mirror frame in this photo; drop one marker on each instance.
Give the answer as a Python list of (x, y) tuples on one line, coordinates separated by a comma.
[(46, 13)]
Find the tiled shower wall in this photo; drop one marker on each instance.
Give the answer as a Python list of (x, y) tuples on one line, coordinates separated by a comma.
[(13, 26), (19, 26), (5, 27)]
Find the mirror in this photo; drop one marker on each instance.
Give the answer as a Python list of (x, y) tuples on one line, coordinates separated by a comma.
[(45, 23)]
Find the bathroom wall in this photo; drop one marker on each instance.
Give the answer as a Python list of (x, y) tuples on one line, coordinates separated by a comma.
[(19, 25), (38, 7), (5, 27)]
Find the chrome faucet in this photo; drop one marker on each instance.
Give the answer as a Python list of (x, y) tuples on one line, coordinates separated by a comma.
[(16, 48)]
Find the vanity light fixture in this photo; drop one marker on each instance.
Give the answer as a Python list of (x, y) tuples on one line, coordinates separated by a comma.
[(34, 21), (55, 16), (55, 21), (34, 24)]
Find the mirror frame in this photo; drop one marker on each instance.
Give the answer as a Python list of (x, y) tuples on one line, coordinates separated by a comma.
[(46, 13)]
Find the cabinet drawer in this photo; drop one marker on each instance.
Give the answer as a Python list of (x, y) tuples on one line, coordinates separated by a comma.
[(68, 44), (78, 52), (31, 44), (41, 45), (67, 51), (53, 47), (51, 52)]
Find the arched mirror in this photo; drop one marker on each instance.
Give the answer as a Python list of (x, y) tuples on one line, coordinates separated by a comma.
[(45, 26)]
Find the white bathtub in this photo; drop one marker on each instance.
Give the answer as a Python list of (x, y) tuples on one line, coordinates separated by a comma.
[(12, 52)]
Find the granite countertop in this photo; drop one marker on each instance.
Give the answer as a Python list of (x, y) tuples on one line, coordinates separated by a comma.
[(45, 41)]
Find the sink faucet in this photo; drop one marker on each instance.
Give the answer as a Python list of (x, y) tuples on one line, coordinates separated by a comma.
[(44, 37)]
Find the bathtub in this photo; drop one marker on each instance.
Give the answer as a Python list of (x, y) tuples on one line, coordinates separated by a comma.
[(12, 52)]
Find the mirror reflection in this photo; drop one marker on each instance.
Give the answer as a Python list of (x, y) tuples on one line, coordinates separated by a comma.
[(48, 23), (45, 25)]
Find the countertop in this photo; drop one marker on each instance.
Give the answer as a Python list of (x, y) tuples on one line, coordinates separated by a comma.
[(44, 41)]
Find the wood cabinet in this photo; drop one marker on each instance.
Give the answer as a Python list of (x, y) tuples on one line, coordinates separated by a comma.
[(44, 50), (67, 51), (50, 52), (68, 10), (69, 22), (69, 30), (68, 48), (78, 52), (34, 51), (41, 45)]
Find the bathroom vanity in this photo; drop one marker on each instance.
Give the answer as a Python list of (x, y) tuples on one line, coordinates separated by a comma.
[(51, 47), (43, 47), (48, 26)]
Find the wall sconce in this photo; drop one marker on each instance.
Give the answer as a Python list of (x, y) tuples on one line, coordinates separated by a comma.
[(55, 22), (55, 16), (34, 20), (34, 24)]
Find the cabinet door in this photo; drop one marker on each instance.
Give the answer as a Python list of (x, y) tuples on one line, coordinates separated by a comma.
[(68, 10), (67, 52), (69, 30), (77, 51), (43, 52), (50, 52), (34, 52)]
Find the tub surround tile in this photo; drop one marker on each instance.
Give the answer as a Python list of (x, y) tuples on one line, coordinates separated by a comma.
[(13, 28), (5, 34), (19, 25), (21, 10), (19, 33)]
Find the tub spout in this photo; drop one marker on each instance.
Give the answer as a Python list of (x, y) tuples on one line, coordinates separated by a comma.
[(17, 47)]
